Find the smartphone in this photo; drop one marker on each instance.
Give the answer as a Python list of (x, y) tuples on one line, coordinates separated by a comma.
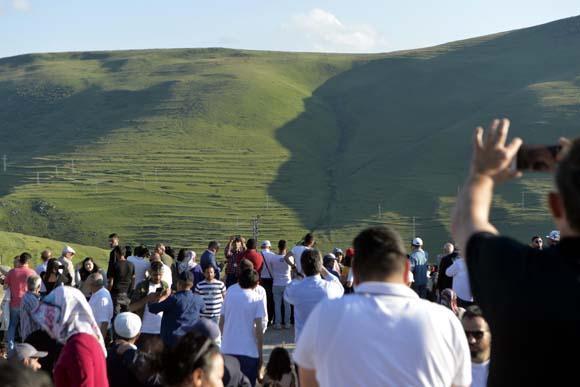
[(159, 290), (537, 158)]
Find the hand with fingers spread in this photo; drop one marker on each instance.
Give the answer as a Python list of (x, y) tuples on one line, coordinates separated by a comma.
[(491, 156)]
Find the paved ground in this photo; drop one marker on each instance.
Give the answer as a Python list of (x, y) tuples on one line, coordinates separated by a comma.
[(276, 338)]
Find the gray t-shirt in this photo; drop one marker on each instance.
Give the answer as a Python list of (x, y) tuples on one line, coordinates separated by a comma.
[(418, 260)]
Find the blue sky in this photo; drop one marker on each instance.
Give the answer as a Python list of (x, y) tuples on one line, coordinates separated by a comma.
[(326, 25)]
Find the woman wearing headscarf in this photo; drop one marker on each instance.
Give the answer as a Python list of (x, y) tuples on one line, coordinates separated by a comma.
[(66, 316), (449, 300)]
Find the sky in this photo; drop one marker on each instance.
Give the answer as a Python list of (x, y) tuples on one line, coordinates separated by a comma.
[(357, 26)]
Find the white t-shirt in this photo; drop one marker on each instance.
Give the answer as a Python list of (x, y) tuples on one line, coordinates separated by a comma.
[(386, 336), (267, 255), (297, 253), (458, 270), (241, 307), (280, 270), (151, 322), (102, 306), (39, 270), (479, 372), (141, 267), (167, 277)]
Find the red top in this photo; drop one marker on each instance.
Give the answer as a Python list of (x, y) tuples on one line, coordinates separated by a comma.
[(81, 363), (16, 281), (256, 259)]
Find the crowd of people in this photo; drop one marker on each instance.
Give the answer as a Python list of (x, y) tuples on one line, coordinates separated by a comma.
[(375, 314)]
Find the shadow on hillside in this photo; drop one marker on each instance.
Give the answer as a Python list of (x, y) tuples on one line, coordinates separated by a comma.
[(396, 132), (34, 109)]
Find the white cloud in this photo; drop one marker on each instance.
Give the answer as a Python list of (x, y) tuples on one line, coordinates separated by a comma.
[(21, 5), (327, 33)]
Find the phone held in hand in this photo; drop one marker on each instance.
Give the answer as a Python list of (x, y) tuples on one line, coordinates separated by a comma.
[(159, 290), (537, 158)]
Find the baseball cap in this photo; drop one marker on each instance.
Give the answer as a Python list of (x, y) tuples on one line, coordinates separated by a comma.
[(349, 252), (266, 244), (127, 325), (23, 351), (186, 276), (417, 242), (554, 235), (337, 251), (330, 256), (67, 249), (205, 327)]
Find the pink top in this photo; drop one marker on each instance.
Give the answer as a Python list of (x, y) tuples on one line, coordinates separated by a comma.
[(81, 363), (16, 281)]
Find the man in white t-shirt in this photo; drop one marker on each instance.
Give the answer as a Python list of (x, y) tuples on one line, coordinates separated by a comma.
[(458, 272), (281, 272), (479, 339), (388, 335), (143, 293), (101, 302), (296, 252), (41, 268), (318, 285), (241, 324), (140, 262)]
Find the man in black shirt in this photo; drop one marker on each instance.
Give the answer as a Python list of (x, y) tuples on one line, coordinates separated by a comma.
[(121, 281), (113, 242), (530, 298), (443, 280)]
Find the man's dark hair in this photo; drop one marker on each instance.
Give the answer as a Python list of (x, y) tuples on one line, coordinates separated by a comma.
[(192, 351), (311, 261), (24, 258), (535, 237), (473, 311), (128, 251), (137, 251), (114, 236), (251, 244), (213, 245), (156, 266), (142, 251), (246, 264), (379, 252), (15, 374), (249, 279), (568, 183), (281, 244), (308, 239), (279, 363), (169, 251)]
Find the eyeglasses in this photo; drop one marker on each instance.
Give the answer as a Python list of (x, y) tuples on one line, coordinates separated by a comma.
[(477, 335)]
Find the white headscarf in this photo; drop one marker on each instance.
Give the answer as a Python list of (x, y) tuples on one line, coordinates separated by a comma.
[(188, 262), (64, 312)]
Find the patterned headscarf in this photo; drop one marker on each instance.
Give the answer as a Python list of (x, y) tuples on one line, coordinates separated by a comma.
[(449, 299), (64, 312)]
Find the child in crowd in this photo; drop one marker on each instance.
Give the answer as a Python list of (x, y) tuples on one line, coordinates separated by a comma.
[(279, 371), (213, 293)]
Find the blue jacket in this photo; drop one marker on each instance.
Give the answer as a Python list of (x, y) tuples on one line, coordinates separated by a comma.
[(208, 259), (180, 311)]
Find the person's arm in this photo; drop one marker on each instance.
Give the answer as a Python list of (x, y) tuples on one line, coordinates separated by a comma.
[(160, 303), (136, 302), (289, 261), (259, 333), (104, 326), (307, 377), (349, 278), (490, 165), (334, 282), (452, 270), (222, 323)]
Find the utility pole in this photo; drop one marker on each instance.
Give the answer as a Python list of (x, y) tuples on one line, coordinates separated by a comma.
[(523, 200), (414, 230), (4, 158), (56, 170), (37, 178), (72, 168), (380, 212), (256, 227)]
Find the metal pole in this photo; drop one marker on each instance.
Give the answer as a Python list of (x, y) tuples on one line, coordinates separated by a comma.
[(380, 212), (37, 178), (414, 230), (4, 160), (523, 200)]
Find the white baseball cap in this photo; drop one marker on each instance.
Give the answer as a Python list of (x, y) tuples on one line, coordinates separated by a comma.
[(554, 235), (67, 249), (266, 244), (23, 351), (127, 325), (417, 242)]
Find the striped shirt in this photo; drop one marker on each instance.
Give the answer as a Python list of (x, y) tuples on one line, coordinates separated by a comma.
[(212, 294), (27, 324)]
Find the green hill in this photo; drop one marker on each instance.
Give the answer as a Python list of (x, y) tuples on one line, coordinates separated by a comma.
[(12, 244), (189, 144)]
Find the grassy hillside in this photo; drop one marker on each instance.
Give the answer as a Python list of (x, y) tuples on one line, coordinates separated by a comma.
[(190, 144), (12, 244)]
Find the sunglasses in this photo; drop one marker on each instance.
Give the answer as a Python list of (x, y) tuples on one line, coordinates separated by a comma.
[(477, 335)]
